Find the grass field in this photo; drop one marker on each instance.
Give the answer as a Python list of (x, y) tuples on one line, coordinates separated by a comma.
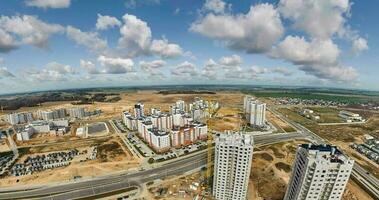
[(337, 97)]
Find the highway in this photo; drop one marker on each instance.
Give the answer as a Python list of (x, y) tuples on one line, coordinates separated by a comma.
[(96, 186), (369, 182)]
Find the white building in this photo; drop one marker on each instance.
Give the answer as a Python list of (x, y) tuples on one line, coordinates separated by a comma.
[(48, 115), (233, 158), (129, 121), (255, 112), (160, 140), (319, 172), (77, 112), (181, 105), (19, 118), (139, 110), (350, 116)]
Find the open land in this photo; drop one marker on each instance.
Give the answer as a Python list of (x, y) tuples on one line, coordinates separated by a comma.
[(272, 169)]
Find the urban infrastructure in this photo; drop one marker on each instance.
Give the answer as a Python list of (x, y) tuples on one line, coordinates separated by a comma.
[(255, 111), (232, 165), (319, 172)]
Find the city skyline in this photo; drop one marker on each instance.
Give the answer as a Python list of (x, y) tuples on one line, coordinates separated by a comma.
[(47, 45)]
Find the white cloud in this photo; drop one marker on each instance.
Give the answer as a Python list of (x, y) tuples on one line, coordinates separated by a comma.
[(165, 49), (149, 66), (230, 61), (359, 45), (104, 22), (319, 18), (216, 6), (136, 39), (4, 72), (185, 69), (60, 68), (299, 51), (318, 57), (6, 42), (25, 29), (115, 65), (89, 67), (210, 69), (48, 3), (90, 40), (254, 32), (52, 71), (135, 35)]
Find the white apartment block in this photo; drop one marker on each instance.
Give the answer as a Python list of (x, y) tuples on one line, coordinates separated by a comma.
[(48, 115), (181, 105), (232, 165), (77, 112), (129, 121), (319, 172), (255, 111), (160, 140), (19, 118), (139, 110)]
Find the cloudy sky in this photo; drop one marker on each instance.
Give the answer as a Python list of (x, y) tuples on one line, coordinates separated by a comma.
[(57, 44)]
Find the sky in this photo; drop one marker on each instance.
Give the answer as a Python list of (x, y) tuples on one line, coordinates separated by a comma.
[(59, 44)]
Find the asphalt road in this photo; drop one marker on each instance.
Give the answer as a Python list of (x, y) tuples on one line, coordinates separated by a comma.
[(93, 187), (364, 178)]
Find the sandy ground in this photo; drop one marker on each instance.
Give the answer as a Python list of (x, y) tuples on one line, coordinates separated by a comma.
[(227, 118), (278, 123), (271, 171)]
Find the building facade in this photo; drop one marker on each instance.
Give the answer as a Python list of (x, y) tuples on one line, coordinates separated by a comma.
[(139, 110), (232, 165), (319, 172), (255, 112)]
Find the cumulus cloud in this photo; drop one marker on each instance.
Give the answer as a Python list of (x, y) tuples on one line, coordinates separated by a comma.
[(89, 67), (136, 38), (104, 22), (48, 3), (60, 68), (230, 61), (185, 69), (210, 69), (317, 57), (115, 65), (164, 49), (52, 71), (359, 45), (135, 35), (4, 72), (216, 6), (254, 32), (301, 52), (319, 18), (25, 29), (152, 65), (90, 40)]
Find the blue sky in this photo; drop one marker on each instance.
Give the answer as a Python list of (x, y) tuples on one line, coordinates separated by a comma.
[(46, 44)]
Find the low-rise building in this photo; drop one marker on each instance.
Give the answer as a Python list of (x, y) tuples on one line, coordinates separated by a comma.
[(350, 116)]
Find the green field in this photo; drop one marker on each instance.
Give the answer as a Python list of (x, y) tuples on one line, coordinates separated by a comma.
[(337, 97)]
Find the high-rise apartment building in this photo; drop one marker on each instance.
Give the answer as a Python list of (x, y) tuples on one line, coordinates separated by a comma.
[(138, 110), (232, 164), (255, 111), (319, 172)]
